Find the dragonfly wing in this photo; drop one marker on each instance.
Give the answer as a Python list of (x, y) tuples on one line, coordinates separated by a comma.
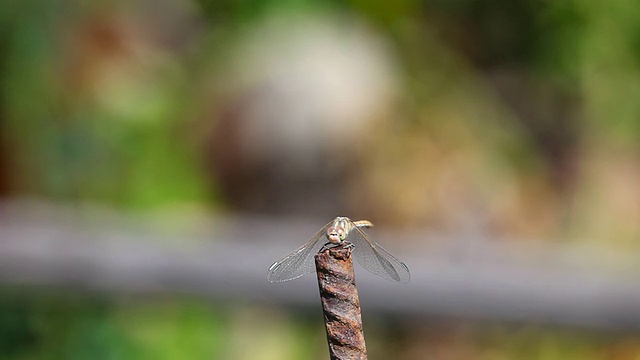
[(300, 261), (376, 259)]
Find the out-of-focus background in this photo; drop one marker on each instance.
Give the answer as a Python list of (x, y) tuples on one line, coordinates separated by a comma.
[(156, 156)]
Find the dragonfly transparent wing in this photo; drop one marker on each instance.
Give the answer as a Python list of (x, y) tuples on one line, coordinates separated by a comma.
[(300, 261), (376, 259)]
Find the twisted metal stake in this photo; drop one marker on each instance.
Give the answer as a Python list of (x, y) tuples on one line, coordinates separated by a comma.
[(340, 303)]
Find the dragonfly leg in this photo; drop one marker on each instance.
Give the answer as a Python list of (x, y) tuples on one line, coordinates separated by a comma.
[(328, 246)]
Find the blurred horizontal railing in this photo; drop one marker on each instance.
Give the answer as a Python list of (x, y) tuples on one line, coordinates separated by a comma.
[(225, 258)]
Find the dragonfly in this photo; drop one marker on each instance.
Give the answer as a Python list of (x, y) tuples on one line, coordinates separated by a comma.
[(369, 254)]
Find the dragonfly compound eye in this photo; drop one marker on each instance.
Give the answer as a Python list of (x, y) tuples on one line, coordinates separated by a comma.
[(335, 234)]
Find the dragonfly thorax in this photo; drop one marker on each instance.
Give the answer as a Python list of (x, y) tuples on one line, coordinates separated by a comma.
[(338, 231)]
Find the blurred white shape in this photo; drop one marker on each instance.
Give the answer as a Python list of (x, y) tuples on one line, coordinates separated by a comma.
[(298, 94), (317, 81)]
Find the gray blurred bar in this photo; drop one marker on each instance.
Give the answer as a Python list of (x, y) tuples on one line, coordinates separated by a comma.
[(226, 258)]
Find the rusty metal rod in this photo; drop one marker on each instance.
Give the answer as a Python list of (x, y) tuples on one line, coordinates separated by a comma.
[(340, 303)]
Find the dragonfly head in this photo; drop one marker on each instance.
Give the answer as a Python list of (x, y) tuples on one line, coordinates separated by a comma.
[(336, 234)]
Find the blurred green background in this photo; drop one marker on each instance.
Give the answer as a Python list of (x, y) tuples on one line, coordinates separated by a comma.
[(516, 119)]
